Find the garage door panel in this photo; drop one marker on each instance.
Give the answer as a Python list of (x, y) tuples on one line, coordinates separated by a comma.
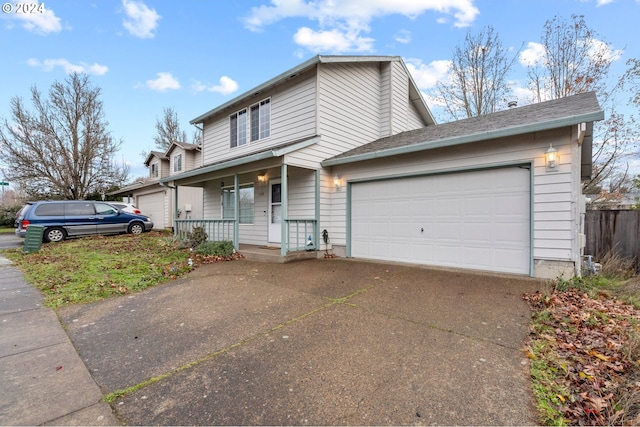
[(476, 220)]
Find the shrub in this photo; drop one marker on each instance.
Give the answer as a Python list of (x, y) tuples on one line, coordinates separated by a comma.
[(8, 215), (222, 248), (197, 237)]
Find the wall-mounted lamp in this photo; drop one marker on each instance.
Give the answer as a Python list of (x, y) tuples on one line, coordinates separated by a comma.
[(337, 181), (262, 178), (552, 158)]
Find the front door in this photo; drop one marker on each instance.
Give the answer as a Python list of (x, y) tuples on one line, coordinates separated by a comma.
[(275, 212)]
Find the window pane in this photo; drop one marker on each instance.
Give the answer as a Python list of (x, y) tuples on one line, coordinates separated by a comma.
[(233, 130), (242, 127), (246, 204), (265, 118), (80, 209), (255, 122)]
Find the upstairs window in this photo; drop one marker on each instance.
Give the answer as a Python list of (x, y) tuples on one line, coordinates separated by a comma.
[(238, 128), (154, 170), (177, 163), (261, 120), (251, 125)]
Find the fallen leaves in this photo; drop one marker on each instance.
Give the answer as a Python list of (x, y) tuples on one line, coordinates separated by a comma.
[(592, 347)]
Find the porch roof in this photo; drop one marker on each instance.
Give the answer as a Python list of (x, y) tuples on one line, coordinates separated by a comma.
[(572, 110), (269, 153)]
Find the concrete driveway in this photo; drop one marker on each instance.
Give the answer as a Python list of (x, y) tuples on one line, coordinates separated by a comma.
[(319, 342)]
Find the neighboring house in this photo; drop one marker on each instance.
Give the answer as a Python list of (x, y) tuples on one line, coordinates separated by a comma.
[(157, 199), (347, 144)]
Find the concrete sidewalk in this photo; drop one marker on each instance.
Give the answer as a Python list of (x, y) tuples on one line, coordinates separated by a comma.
[(44, 381)]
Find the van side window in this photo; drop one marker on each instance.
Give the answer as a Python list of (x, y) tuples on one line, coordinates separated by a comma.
[(75, 209), (105, 209), (50, 209)]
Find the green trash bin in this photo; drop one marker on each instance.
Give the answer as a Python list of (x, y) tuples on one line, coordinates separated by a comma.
[(33, 238)]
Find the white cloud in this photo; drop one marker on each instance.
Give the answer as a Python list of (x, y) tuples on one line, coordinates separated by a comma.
[(140, 21), (599, 49), (603, 2), (403, 37), (226, 86), (333, 40), (427, 76), (165, 81), (82, 67), (360, 11), (532, 55), (342, 22), (41, 21)]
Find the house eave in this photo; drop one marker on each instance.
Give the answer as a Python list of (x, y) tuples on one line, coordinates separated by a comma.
[(465, 139), (267, 154)]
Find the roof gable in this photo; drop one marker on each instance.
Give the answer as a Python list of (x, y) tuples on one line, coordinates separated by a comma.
[(152, 154), (414, 92)]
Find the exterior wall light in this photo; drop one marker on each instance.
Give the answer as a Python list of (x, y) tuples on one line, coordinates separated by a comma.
[(262, 178), (552, 158), (337, 181)]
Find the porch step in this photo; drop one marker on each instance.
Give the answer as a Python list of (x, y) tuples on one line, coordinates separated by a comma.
[(272, 254)]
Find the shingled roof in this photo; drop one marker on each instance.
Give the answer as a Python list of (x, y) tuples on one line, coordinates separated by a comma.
[(514, 121)]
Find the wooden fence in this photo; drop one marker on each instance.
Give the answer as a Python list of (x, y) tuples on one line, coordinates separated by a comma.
[(614, 231)]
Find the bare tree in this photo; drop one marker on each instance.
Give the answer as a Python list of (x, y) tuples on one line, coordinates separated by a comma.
[(62, 148), (477, 82), (168, 129), (574, 60)]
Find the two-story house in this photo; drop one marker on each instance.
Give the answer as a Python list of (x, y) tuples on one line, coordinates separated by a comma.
[(347, 144), (158, 199)]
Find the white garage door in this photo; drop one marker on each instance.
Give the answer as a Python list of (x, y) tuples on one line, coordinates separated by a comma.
[(152, 205), (477, 220)]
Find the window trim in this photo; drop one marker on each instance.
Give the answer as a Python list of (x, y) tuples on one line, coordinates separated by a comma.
[(231, 189), (241, 124), (177, 161)]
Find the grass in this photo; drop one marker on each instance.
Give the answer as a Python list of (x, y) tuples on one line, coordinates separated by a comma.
[(98, 267), (7, 230)]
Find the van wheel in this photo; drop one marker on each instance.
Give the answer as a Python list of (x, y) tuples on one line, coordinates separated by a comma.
[(136, 228), (54, 235)]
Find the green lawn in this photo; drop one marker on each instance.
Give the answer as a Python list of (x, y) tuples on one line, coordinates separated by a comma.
[(97, 267)]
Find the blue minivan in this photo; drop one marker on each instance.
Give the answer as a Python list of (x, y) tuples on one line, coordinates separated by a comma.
[(71, 218)]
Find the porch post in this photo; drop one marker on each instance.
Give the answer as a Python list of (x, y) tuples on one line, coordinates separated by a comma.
[(316, 228), (284, 193), (175, 207), (236, 210)]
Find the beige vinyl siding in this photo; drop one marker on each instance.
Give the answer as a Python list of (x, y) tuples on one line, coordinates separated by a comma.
[(190, 196), (293, 117), (385, 99), (399, 99), (414, 121), (554, 215)]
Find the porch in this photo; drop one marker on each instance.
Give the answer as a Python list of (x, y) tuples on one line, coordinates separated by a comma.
[(300, 238)]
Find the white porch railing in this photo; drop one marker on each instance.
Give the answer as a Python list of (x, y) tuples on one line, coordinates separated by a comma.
[(298, 233), (216, 229)]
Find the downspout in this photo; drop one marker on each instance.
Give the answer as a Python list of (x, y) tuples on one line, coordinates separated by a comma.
[(316, 229)]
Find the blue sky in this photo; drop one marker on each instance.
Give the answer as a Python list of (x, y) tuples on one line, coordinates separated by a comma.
[(195, 55)]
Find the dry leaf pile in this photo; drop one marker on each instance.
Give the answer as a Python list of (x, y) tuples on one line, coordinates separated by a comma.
[(593, 349)]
